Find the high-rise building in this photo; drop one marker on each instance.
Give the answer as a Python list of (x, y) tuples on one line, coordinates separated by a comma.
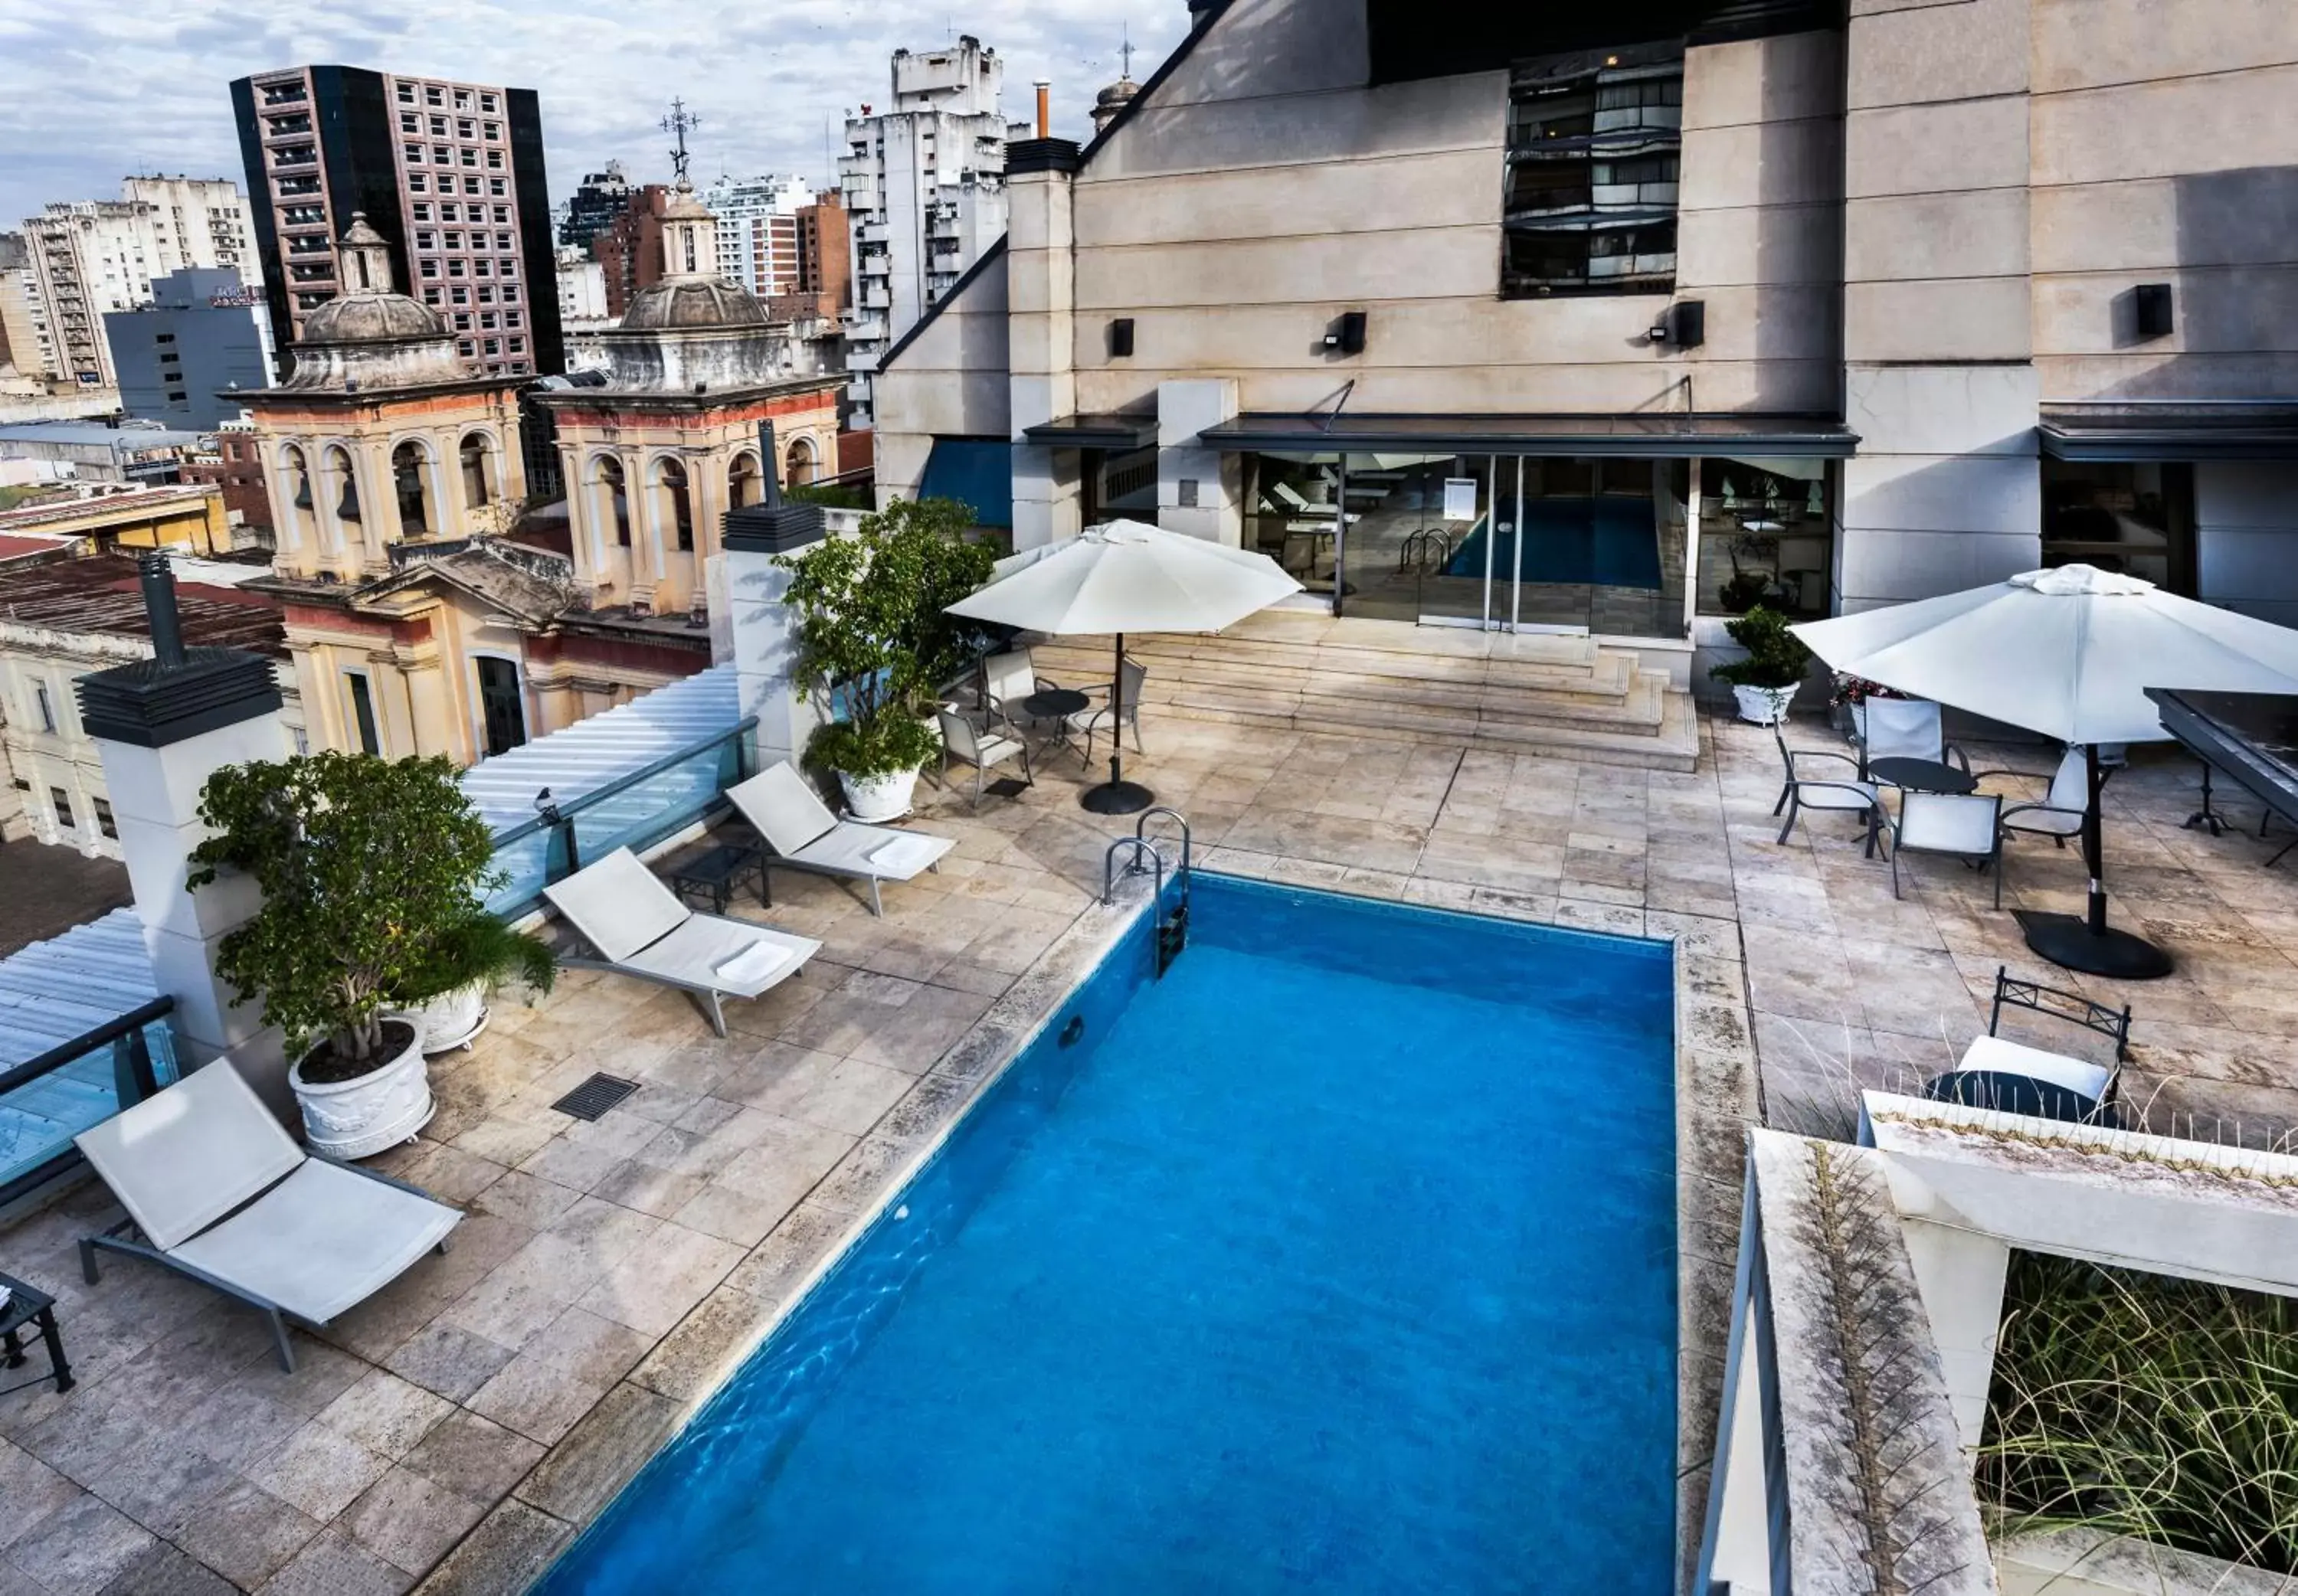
[(825, 264), (596, 202), (757, 230), (21, 341), (629, 248), (449, 174), (924, 183), (92, 257), (201, 333)]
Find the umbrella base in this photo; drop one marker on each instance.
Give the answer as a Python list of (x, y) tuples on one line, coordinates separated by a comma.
[(1118, 798), (2068, 941)]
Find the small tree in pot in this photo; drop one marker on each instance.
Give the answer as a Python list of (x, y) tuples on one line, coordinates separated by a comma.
[(874, 645), (366, 865), (448, 992), (1766, 681)]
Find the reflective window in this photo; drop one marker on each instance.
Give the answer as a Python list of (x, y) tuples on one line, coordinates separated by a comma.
[(1590, 198), (2137, 517)]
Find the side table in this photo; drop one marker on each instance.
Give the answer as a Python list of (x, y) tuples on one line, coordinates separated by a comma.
[(717, 872), (28, 1306)]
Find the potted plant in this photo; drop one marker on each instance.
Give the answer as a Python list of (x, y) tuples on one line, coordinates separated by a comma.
[(1765, 682), (366, 866), (1851, 694), (447, 994), (874, 645)]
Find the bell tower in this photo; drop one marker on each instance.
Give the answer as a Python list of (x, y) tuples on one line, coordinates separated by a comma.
[(362, 259)]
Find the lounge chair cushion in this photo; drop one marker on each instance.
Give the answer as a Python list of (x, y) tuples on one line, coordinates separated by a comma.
[(2013, 1058), (783, 807), (323, 1240), (618, 904), (181, 1160), (906, 853), (694, 953)]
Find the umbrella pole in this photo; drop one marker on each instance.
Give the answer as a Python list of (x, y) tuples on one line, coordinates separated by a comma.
[(1118, 796), (2085, 942)]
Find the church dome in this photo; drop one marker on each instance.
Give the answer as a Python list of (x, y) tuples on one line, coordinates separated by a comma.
[(363, 317), (691, 300)]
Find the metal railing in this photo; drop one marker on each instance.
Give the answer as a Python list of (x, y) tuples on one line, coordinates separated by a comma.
[(635, 811), (46, 1101)]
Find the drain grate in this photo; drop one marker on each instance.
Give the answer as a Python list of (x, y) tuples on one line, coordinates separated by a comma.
[(1007, 787), (595, 1096)]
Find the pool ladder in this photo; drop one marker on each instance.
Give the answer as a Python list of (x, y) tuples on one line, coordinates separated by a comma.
[(1172, 931)]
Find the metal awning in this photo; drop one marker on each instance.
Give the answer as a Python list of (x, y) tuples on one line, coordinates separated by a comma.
[(1634, 436), (2225, 430), (1109, 430), (577, 760), (54, 991)]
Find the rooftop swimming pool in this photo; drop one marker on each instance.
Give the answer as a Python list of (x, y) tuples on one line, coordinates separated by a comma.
[(1342, 1258)]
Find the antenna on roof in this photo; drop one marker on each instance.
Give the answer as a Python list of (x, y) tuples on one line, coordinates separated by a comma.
[(677, 123)]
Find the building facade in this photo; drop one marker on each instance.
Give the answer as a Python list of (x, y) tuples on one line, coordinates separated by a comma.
[(597, 200), (924, 184), (62, 619), (134, 454), (449, 174), (629, 248), (190, 517), (674, 432), (757, 231), (91, 258), (178, 357), (235, 469), (1622, 323), (825, 263)]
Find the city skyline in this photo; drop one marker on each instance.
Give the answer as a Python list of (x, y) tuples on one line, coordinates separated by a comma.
[(144, 96)]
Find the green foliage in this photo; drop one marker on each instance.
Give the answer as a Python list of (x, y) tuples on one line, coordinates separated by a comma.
[(2145, 1406), (479, 947), (1777, 657), (364, 865), (831, 495), (874, 643)]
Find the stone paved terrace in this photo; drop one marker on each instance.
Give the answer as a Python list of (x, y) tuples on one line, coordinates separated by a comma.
[(449, 1433)]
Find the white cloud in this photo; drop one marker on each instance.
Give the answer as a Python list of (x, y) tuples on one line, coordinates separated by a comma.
[(93, 96)]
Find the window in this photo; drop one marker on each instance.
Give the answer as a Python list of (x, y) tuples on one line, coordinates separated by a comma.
[(408, 123), (428, 240), (414, 154), (454, 269), (506, 271), (494, 130), (47, 710), (494, 159), (462, 321), (502, 214), (104, 821), (502, 241), (63, 802), (494, 186), (407, 94), (494, 346), (511, 320), (462, 99), (510, 290), (463, 129), (363, 711), (454, 241), (486, 102), (487, 320), (434, 97), (441, 155), (518, 346), (478, 269), (1590, 196), (2135, 518), (431, 296), (418, 183), (486, 296), (471, 157), (464, 349), (430, 268)]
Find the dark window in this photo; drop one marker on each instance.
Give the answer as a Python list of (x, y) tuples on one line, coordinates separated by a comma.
[(62, 801), (1589, 205), (2138, 518), (47, 710), (104, 821), (363, 713), (500, 706)]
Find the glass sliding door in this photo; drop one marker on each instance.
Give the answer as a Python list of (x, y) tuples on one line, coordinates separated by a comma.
[(1293, 514), (1413, 520)]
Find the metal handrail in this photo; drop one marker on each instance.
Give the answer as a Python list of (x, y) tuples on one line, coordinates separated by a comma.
[(620, 785), (1138, 846), (55, 1058)]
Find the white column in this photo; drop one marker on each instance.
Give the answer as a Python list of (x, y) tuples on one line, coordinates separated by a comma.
[(1200, 491), (765, 633)]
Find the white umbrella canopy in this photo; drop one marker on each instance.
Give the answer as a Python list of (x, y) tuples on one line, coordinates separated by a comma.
[(1126, 576), (2067, 652)]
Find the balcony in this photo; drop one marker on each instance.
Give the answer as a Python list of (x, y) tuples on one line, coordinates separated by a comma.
[(294, 155)]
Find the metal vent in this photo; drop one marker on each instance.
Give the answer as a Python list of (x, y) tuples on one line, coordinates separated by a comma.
[(595, 1096)]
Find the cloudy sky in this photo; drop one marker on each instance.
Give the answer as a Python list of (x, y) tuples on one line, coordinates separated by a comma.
[(89, 95)]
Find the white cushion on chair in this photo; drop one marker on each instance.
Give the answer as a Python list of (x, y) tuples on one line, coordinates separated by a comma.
[(2013, 1058), (1943, 823)]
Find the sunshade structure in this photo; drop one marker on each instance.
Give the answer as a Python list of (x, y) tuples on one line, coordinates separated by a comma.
[(2067, 653), (1126, 576)]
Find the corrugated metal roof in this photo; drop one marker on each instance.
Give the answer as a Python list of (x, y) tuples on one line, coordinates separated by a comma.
[(597, 752), (67, 986)]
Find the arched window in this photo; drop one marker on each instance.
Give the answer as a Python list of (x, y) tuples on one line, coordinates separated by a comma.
[(670, 477), (477, 491), (742, 481), (338, 463), (800, 463), (615, 492), (297, 478), (410, 484)]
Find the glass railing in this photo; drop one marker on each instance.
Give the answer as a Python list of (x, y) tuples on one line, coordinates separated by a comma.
[(635, 811), (46, 1101)]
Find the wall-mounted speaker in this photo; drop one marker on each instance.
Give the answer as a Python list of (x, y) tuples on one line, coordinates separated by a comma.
[(2152, 301), (1120, 338), (1346, 335)]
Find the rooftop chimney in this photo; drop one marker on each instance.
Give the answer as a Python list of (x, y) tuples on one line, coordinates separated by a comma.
[(160, 603), (1045, 108)]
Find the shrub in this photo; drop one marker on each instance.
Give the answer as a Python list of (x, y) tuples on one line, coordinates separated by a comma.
[(1777, 657)]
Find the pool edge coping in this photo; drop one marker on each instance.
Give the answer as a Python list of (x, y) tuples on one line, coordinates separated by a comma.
[(520, 1539)]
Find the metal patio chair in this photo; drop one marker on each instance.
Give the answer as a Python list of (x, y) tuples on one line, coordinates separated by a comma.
[(1962, 825), (1849, 794)]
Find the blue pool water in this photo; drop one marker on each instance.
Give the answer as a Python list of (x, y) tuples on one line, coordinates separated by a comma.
[(1339, 1259), (1608, 542)]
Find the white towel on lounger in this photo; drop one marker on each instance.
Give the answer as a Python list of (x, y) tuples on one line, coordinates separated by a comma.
[(753, 963), (904, 853)]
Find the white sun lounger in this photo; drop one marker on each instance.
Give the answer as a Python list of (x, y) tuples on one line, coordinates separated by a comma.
[(640, 928), (805, 835), (222, 1194)]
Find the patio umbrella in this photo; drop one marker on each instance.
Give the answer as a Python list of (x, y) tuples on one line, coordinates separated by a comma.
[(1120, 577), (2067, 653)]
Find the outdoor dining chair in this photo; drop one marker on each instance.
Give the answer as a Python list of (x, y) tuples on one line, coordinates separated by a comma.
[(1849, 793), (2010, 1076), (1008, 679), (1960, 825), (1907, 729), (1134, 676), (2059, 814), (982, 747)]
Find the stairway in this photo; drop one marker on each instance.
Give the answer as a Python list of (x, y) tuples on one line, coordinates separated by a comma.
[(1533, 693)]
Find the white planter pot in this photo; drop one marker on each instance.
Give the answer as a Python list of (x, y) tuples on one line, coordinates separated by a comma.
[(355, 1119), (453, 1018), (879, 798), (1763, 705)]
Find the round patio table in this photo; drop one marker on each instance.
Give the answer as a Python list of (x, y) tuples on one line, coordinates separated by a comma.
[(1057, 703), (1921, 775)]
